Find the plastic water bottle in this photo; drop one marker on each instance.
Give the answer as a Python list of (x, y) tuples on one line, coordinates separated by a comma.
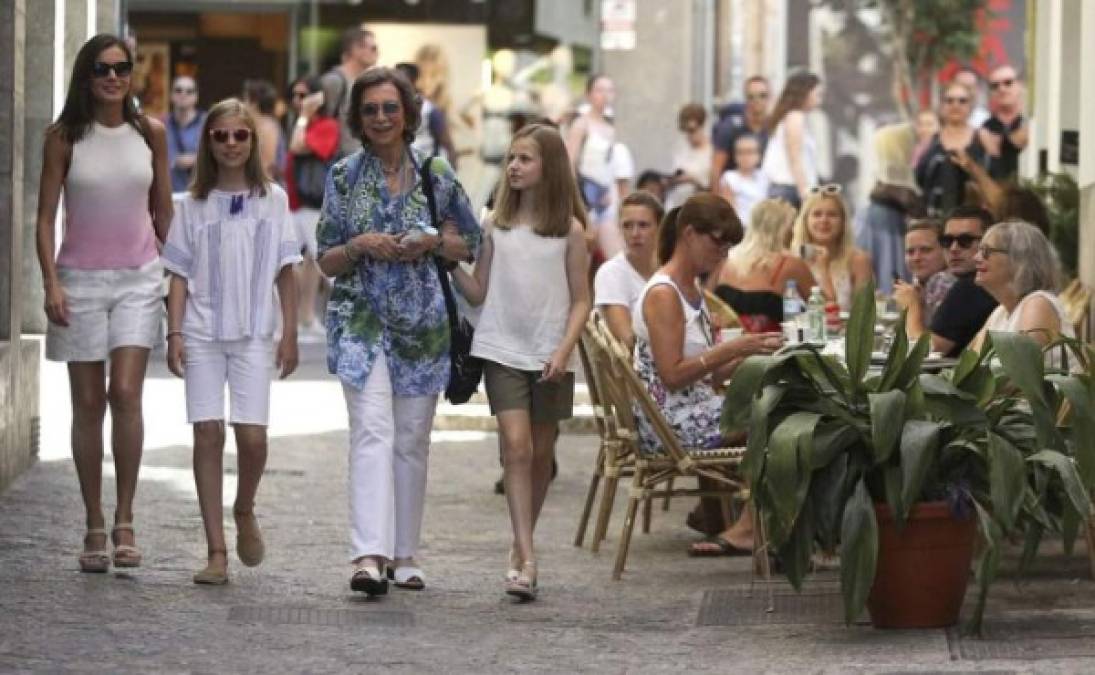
[(815, 313), (792, 303)]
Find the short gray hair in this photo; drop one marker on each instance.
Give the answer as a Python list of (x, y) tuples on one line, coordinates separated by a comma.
[(1034, 261)]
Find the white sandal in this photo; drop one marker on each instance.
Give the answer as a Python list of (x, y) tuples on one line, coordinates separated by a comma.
[(408, 577), (97, 561), (367, 578)]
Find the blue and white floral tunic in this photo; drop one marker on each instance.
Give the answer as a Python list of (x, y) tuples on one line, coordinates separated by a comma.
[(394, 308)]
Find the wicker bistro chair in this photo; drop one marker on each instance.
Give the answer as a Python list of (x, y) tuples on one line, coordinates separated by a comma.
[(652, 472), (615, 456)]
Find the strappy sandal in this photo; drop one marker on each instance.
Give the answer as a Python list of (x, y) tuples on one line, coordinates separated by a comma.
[(213, 576), (368, 579), (249, 545), (524, 586), (407, 577), (125, 555), (98, 560), (514, 570)]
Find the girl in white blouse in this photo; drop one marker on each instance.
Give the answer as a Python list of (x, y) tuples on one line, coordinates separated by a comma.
[(531, 279), (231, 242)]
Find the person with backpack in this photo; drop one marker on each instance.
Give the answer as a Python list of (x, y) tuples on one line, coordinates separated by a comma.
[(358, 53), (388, 214), (313, 147)]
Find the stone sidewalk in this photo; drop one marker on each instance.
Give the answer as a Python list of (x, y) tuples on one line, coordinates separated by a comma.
[(295, 613)]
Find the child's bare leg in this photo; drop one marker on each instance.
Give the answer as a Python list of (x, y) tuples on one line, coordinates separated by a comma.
[(208, 478), (251, 446)]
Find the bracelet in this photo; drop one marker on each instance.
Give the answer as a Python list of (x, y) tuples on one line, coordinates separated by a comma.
[(173, 333), (350, 258)]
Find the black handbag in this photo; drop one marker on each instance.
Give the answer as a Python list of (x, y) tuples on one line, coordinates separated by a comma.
[(466, 369)]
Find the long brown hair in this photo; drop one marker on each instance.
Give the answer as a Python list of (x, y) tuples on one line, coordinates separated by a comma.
[(78, 112), (206, 169), (557, 199), (793, 97)]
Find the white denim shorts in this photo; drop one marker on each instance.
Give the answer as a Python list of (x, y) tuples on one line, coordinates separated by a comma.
[(247, 366), (305, 221), (107, 309)]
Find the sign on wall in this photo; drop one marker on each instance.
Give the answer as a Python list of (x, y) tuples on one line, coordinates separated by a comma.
[(618, 24)]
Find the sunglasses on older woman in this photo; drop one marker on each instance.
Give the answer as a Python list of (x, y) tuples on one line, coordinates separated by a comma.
[(389, 108), (240, 135)]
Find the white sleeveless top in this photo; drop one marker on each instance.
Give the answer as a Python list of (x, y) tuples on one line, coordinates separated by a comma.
[(595, 158), (777, 166), (697, 324), (1000, 320), (528, 300)]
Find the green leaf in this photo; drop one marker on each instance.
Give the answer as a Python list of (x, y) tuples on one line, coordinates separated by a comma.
[(831, 439), (743, 388), (1021, 359), (785, 473), (1083, 425), (887, 419), (891, 482), (858, 551), (859, 334), (919, 441), (1032, 539), (1066, 471), (827, 499), (757, 445), (1007, 479), (988, 560), (796, 551), (895, 360), (1070, 527), (911, 368), (968, 362)]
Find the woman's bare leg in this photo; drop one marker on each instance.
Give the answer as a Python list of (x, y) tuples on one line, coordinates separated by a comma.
[(87, 386)]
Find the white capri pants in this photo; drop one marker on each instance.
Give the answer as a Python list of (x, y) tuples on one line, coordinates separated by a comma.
[(389, 450), (247, 366)]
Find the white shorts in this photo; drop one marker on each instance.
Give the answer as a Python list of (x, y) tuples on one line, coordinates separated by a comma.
[(305, 220), (107, 309), (247, 366)]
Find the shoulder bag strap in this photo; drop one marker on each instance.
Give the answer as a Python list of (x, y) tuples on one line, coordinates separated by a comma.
[(431, 202)]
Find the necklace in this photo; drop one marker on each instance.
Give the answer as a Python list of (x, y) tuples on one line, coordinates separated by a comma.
[(391, 171)]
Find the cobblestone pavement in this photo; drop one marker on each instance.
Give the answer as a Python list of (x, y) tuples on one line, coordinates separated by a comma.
[(295, 613)]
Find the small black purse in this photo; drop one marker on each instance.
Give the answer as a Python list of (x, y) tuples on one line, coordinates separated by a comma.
[(466, 370)]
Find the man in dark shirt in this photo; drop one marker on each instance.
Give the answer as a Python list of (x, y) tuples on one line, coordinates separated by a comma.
[(966, 306), (359, 53), (1004, 135), (750, 120)]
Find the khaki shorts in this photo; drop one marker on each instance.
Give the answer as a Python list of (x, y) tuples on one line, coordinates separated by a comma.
[(513, 389)]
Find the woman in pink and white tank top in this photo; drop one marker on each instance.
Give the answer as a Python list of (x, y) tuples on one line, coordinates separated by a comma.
[(102, 290)]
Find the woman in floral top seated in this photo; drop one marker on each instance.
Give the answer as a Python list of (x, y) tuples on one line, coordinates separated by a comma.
[(677, 353), (387, 330)]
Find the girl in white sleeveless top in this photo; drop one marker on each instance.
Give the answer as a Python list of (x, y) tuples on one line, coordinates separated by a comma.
[(790, 160), (532, 282)]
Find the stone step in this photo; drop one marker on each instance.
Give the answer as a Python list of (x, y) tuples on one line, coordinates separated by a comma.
[(475, 414)]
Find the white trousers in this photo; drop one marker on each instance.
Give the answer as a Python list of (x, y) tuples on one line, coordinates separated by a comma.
[(389, 450)]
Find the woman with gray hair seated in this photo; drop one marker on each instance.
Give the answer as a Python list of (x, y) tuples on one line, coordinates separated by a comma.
[(1019, 267)]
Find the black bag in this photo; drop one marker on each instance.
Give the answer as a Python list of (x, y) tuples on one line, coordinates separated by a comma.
[(466, 369), (310, 176)]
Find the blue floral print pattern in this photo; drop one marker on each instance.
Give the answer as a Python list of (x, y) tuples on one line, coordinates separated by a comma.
[(693, 412), (394, 308)]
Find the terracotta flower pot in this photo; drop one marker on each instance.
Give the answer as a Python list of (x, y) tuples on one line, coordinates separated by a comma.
[(922, 570)]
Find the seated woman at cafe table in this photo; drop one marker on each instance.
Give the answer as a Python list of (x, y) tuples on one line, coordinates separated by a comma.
[(677, 354), (824, 240), (1018, 266), (621, 279), (927, 264), (755, 274)]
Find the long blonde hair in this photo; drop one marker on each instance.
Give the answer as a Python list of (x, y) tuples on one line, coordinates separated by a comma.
[(840, 264), (764, 236), (206, 170), (557, 199)]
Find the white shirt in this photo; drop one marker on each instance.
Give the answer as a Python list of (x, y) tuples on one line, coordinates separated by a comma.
[(1000, 320), (525, 313), (230, 261), (777, 165), (621, 162), (748, 191), (617, 283)]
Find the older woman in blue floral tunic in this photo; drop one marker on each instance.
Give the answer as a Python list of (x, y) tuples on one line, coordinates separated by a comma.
[(387, 330)]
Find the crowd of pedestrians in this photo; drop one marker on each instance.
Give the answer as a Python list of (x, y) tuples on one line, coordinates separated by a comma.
[(356, 201)]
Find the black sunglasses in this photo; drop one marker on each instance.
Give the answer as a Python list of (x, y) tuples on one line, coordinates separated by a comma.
[(185, 90), (241, 135), (389, 108), (956, 100), (1001, 83), (102, 69), (963, 240)]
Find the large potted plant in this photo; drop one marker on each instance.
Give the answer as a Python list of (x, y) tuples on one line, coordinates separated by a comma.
[(860, 460)]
